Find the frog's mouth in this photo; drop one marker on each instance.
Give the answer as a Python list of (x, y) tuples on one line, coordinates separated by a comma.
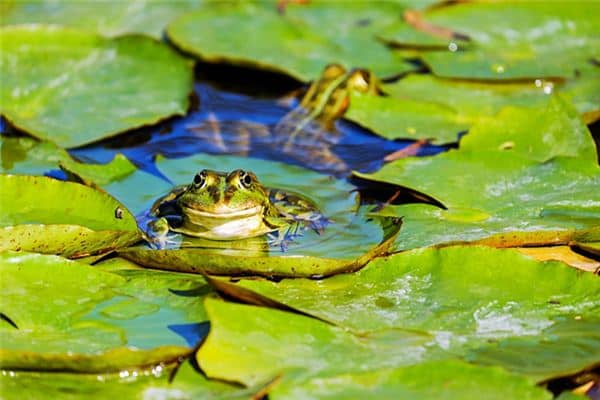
[(224, 214), (224, 225)]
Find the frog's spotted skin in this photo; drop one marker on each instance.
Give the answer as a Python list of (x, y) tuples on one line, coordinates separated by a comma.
[(230, 206)]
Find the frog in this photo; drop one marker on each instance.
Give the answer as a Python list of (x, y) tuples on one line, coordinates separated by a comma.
[(230, 206), (307, 132)]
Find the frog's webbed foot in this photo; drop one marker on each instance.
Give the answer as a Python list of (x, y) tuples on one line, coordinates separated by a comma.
[(283, 237), (159, 236)]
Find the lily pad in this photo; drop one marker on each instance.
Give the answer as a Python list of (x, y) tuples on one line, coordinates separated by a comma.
[(464, 297), (36, 217), (513, 40), (294, 42), (431, 380), (427, 107), (143, 16), (249, 344), (80, 329), (23, 155), (346, 243), (74, 87), (131, 384), (527, 170)]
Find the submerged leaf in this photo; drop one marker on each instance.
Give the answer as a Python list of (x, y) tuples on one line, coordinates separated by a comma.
[(74, 87)]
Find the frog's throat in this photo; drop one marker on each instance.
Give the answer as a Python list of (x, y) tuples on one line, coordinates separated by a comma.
[(224, 226)]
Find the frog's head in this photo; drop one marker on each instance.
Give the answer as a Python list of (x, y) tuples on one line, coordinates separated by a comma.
[(220, 195), (329, 96)]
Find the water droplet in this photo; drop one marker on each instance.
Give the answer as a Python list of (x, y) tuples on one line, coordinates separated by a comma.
[(452, 47), (124, 374), (538, 83), (548, 87), (498, 68)]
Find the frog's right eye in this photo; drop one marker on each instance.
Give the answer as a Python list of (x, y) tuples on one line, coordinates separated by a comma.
[(200, 179)]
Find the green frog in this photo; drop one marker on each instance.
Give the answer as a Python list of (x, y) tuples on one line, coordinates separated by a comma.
[(307, 132), (230, 206)]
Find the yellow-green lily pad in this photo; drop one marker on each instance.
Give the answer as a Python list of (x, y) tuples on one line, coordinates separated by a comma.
[(293, 42), (428, 107), (149, 383), (49, 216), (464, 297), (526, 170), (74, 87), (431, 380), (249, 344)]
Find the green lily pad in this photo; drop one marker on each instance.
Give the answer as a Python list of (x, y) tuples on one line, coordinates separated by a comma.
[(249, 344), (431, 380), (36, 217), (464, 297), (23, 155), (130, 384), (347, 243), (427, 107), (525, 39), (564, 349), (73, 317), (294, 42), (96, 175), (143, 16), (527, 170), (74, 87)]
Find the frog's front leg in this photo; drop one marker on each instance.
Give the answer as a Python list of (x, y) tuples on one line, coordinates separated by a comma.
[(283, 236), (159, 236)]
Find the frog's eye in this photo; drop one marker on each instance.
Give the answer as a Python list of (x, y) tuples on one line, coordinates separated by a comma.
[(246, 179), (200, 179)]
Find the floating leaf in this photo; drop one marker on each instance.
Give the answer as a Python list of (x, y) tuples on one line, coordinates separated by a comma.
[(27, 156), (293, 42), (525, 40), (526, 171), (431, 380), (131, 384), (464, 297), (427, 107), (73, 87), (250, 344), (67, 318), (143, 16), (36, 217)]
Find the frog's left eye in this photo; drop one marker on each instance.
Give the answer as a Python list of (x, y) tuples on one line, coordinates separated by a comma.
[(200, 179), (246, 179)]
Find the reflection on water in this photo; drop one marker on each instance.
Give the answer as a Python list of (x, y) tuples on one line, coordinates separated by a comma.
[(222, 122)]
